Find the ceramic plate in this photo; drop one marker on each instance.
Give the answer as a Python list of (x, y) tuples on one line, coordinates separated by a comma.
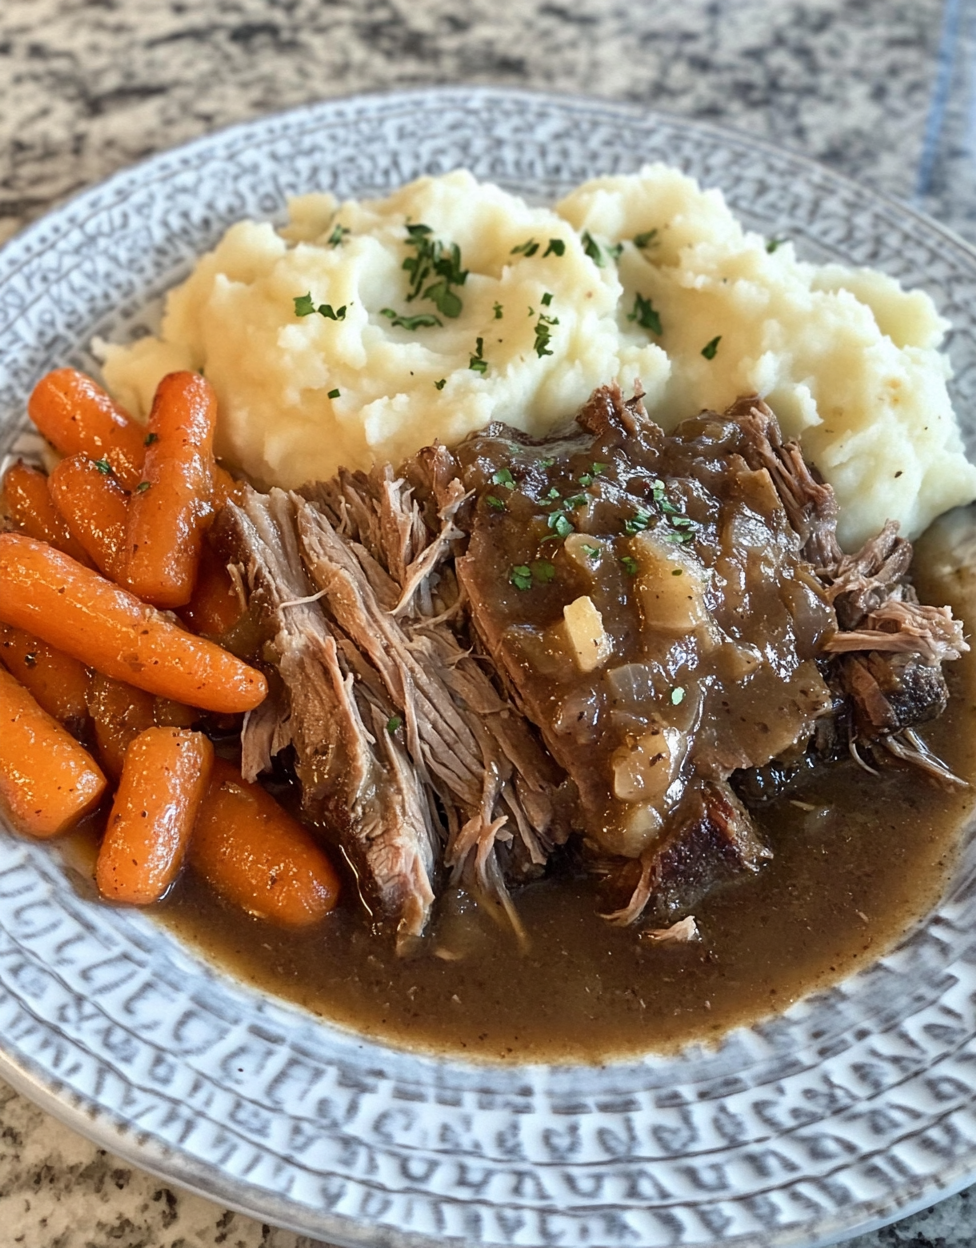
[(852, 1108)]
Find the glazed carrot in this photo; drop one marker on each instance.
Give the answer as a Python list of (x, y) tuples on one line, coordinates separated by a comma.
[(173, 504), (107, 628), (95, 507), (165, 776), (31, 507), (47, 781), (225, 488), (78, 418), (119, 712), (257, 857), (216, 605), (58, 682)]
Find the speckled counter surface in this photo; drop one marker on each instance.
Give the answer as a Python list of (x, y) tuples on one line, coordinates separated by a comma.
[(879, 89)]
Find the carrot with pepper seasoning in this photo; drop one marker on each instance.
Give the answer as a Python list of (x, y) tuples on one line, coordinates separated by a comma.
[(164, 778), (30, 506), (47, 781), (95, 507), (256, 856), (58, 682), (173, 503), (78, 418), (119, 713), (105, 627)]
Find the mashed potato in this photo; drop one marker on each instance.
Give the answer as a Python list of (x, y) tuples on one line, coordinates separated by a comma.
[(639, 276)]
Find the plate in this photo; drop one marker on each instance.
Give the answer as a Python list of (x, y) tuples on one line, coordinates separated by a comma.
[(853, 1108)]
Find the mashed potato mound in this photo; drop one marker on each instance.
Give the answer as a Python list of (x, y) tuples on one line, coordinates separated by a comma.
[(641, 276)]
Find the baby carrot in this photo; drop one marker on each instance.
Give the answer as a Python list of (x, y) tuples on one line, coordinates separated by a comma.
[(215, 606), (78, 417), (173, 503), (58, 682), (30, 506), (165, 776), (257, 857), (47, 781), (119, 712), (95, 507), (105, 627)]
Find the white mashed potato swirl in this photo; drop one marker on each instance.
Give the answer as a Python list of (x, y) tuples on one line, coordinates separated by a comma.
[(849, 362)]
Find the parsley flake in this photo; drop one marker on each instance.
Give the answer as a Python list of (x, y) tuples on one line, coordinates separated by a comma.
[(629, 564), (709, 349), (521, 576), (478, 363), (142, 487), (561, 523), (333, 394), (773, 243), (593, 249), (503, 477), (150, 438), (526, 249), (637, 523), (648, 238), (556, 248), (543, 334), (439, 385), (103, 466), (544, 571), (498, 311), (546, 463), (546, 299), (304, 306), (496, 504), (646, 315), (591, 552), (677, 696), (337, 236), (424, 320), (393, 723)]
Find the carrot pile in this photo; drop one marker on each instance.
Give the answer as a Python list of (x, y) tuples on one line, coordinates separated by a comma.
[(102, 688)]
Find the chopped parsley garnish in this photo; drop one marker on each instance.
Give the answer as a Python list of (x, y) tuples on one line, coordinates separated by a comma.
[(576, 500), (438, 260), (556, 248), (423, 320), (591, 552), (142, 487), (333, 394), (103, 466), (543, 334), (526, 249), (679, 538), (498, 311), (599, 253), (629, 564), (551, 497), (496, 504), (546, 463), (546, 299), (338, 234), (439, 385), (393, 723), (709, 349), (675, 571), (561, 523), (587, 478), (478, 363), (637, 523), (677, 695), (646, 315), (544, 571), (503, 477), (305, 306), (773, 243), (647, 239), (150, 438), (521, 576)]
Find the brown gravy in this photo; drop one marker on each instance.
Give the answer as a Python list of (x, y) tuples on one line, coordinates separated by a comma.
[(857, 861)]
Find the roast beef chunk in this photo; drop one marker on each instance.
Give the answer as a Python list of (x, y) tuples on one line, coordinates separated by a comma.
[(354, 775), (645, 599)]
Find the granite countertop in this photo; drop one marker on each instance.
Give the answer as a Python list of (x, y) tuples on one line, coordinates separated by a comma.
[(881, 90)]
